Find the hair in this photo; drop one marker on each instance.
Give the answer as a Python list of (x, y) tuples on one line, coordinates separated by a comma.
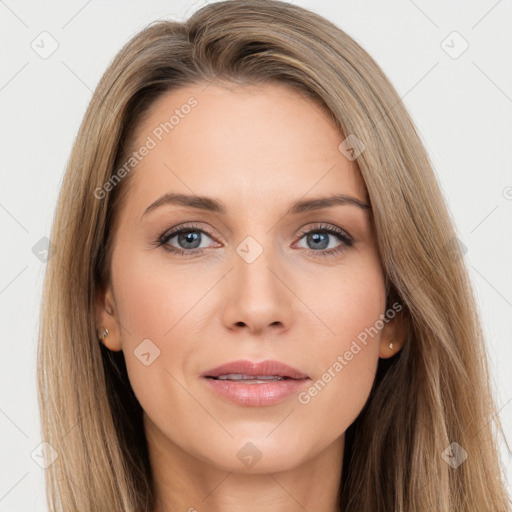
[(434, 392)]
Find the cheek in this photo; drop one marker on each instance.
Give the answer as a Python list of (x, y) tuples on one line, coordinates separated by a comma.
[(153, 296), (346, 353), (347, 302), (153, 300)]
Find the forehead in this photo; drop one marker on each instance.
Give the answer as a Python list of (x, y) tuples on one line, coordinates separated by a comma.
[(242, 143)]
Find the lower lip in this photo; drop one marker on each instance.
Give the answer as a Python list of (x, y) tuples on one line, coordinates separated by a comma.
[(256, 394)]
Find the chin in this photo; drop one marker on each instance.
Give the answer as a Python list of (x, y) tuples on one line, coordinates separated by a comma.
[(251, 456)]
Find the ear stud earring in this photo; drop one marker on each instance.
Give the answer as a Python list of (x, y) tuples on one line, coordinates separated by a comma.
[(391, 346), (104, 334)]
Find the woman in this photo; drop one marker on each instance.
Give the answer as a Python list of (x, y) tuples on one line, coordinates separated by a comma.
[(317, 346)]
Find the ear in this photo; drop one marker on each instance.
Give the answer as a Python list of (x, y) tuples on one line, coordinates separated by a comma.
[(394, 332), (107, 320)]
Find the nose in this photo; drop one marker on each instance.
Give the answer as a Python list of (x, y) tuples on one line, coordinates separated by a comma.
[(258, 294)]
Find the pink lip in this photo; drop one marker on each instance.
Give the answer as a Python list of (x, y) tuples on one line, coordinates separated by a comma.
[(255, 394), (263, 368)]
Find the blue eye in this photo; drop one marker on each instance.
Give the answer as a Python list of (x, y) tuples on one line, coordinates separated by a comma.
[(190, 236), (189, 239), (319, 238)]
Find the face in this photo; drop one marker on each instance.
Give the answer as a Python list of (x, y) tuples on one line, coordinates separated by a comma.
[(249, 281)]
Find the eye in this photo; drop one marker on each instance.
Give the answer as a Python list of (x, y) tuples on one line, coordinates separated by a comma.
[(188, 238), (318, 238)]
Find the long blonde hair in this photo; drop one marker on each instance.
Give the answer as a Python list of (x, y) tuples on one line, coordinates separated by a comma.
[(436, 391)]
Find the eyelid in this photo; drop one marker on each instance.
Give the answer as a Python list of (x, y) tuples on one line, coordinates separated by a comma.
[(321, 226), (176, 230)]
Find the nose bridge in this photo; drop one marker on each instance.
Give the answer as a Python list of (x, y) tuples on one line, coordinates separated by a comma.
[(257, 298), (255, 257)]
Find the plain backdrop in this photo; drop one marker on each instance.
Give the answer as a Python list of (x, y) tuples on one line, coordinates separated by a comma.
[(449, 61)]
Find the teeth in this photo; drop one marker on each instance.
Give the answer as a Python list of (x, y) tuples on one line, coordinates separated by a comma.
[(241, 376)]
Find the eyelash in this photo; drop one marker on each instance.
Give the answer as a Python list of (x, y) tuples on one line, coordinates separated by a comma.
[(342, 236)]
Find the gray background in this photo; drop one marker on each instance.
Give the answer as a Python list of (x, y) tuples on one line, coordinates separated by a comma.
[(460, 102)]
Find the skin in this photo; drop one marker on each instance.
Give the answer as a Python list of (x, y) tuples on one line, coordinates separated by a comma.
[(257, 149)]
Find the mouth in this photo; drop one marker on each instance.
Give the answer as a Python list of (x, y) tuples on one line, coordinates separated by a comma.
[(251, 379), (255, 384), (247, 370)]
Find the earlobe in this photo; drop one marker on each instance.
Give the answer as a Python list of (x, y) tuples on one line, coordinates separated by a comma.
[(394, 334), (107, 324), (389, 350), (112, 345)]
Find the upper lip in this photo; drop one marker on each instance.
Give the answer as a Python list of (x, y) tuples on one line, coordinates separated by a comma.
[(256, 369)]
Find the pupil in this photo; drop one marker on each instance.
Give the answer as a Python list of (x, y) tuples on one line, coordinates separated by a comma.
[(189, 237), (315, 237)]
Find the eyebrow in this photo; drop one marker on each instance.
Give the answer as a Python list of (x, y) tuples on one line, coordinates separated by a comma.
[(216, 206)]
